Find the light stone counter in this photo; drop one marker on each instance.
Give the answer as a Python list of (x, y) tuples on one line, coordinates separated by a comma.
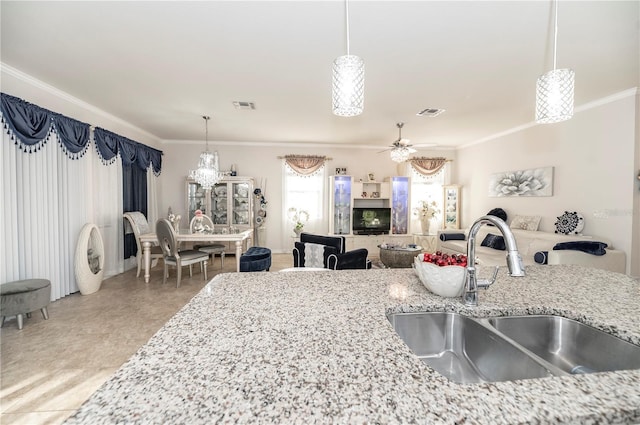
[(316, 347)]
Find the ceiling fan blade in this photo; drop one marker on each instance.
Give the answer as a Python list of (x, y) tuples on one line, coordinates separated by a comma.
[(425, 145), (385, 150)]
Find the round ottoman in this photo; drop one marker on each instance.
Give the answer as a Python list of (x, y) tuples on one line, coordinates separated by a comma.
[(256, 259), (24, 296)]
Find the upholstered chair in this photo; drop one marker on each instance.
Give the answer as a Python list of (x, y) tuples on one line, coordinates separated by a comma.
[(211, 249), (175, 257), (138, 224), (328, 252)]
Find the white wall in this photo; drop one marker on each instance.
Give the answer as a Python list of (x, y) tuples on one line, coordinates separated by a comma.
[(262, 162), (593, 156)]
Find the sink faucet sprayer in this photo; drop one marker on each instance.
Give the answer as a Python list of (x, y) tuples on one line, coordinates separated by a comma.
[(514, 261)]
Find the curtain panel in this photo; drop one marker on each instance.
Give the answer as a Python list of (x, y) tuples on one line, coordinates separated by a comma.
[(428, 166), (30, 126), (305, 165)]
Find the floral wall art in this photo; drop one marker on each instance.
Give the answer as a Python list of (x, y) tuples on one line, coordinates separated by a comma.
[(531, 182)]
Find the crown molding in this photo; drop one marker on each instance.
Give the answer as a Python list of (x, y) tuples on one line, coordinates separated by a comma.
[(34, 82)]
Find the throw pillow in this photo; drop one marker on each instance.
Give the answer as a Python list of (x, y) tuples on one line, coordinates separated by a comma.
[(526, 222), (494, 241), (498, 212), (570, 223), (540, 257), (590, 247), (451, 236), (313, 255)]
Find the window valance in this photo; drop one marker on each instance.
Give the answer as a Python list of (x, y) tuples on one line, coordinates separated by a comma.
[(428, 166), (109, 145), (30, 126), (305, 165)]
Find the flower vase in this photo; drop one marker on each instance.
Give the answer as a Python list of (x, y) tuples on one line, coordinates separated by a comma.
[(425, 222), (176, 225), (297, 231)]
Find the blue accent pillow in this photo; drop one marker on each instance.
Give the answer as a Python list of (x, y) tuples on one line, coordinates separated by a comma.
[(451, 236), (590, 247), (540, 257), (494, 241)]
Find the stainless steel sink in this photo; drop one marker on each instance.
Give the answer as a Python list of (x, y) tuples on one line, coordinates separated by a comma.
[(462, 349), (569, 345), (469, 350)]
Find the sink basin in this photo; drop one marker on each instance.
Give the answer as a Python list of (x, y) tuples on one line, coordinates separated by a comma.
[(464, 350), (569, 345)]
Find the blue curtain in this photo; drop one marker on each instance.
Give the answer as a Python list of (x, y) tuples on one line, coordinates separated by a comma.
[(134, 193), (30, 126)]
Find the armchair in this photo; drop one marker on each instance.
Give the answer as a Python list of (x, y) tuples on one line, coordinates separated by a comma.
[(328, 252)]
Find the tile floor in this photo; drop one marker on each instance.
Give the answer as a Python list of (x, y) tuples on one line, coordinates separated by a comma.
[(50, 367)]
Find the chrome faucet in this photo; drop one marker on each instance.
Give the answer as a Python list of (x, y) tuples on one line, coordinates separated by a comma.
[(514, 261)]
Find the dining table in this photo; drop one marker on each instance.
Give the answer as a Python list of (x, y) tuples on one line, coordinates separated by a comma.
[(185, 235)]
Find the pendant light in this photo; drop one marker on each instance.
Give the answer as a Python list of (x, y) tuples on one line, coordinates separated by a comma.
[(554, 90), (348, 81), (208, 172)]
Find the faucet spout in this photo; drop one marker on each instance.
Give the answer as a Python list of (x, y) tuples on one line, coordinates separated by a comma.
[(514, 261)]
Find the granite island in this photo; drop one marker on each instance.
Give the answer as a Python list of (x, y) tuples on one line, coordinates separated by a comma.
[(316, 347)]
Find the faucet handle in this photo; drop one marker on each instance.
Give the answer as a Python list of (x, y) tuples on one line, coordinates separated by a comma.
[(485, 283)]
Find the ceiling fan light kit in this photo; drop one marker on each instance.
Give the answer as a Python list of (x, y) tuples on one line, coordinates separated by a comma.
[(555, 89), (348, 81)]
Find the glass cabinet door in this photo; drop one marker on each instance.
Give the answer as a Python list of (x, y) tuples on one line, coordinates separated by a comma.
[(241, 203), (399, 205), (196, 199), (341, 205), (451, 206), (219, 204)]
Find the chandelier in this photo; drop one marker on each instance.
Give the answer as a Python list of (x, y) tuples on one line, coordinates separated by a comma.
[(208, 172), (401, 154), (554, 90), (348, 81)]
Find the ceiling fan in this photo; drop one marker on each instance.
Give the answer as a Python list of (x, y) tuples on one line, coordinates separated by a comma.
[(400, 148)]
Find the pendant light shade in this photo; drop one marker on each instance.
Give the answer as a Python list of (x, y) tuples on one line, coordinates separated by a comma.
[(554, 96), (348, 81), (554, 90), (208, 172)]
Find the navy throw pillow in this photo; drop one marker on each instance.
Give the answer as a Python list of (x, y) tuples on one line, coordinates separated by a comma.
[(590, 247), (494, 241), (451, 236), (540, 257)]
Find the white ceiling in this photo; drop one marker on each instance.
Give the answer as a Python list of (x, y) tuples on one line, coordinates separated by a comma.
[(162, 65)]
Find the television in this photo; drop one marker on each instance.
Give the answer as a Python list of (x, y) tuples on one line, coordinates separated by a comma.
[(371, 221)]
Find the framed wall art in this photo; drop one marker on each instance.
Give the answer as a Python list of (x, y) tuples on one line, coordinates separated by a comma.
[(531, 182)]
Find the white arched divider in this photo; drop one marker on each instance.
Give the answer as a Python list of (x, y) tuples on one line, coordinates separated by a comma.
[(89, 264)]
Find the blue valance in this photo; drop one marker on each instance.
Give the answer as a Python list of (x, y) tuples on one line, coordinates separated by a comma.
[(110, 144), (30, 127)]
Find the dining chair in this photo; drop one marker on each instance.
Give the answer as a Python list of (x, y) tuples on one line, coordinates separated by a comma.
[(138, 223), (211, 249), (174, 257)]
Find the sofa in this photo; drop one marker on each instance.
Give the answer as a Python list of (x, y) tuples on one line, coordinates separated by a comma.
[(536, 245)]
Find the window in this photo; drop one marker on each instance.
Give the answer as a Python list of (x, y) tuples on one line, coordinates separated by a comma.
[(305, 193), (426, 188)]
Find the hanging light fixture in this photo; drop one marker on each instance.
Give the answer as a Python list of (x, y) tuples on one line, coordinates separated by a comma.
[(401, 149), (554, 90), (348, 81), (208, 172)]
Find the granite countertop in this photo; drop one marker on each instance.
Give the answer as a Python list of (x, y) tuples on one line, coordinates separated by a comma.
[(316, 347)]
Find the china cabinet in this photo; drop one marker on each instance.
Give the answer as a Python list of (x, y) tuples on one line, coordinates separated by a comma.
[(451, 206), (229, 203)]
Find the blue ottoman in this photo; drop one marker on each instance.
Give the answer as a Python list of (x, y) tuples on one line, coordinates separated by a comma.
[(256, 259)]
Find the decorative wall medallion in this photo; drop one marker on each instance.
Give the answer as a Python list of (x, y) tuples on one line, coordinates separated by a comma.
[(570, 223)]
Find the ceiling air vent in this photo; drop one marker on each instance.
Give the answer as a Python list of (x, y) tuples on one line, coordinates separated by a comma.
[(244, 105), (430, 112)]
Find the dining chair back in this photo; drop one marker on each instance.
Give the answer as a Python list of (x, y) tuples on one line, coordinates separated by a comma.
[(137, 223), (211, 249), (174, 257)]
